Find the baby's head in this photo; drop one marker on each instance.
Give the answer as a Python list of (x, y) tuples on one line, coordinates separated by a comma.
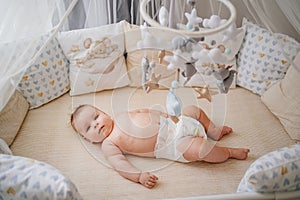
[(90, 122)]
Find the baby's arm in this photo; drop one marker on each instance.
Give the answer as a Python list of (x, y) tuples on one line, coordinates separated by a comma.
[(119, 162)]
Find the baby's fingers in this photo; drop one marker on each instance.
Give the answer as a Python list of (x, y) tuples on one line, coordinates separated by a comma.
[(153, 177), (148, 180), (150, 184)]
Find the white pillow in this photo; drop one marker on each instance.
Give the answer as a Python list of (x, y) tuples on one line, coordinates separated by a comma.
[(96, 58), (47, 78), (12, 116), (283, 100), (261, 60), (24, 178), (277, 171)]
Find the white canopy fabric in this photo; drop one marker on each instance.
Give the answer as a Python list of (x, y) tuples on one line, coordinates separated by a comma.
[(278, 16), (24, 22), (25, 29)]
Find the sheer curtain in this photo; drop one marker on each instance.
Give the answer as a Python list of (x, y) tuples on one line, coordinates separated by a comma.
[(281, 16), (278, 16), (291, 9), (21, 26), (93, 13)]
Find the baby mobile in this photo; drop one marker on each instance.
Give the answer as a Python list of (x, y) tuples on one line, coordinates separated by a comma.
[(189, 56)]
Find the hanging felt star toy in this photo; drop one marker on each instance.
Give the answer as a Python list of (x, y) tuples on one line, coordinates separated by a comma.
[(203, 93), (152, 83), (193, 19)]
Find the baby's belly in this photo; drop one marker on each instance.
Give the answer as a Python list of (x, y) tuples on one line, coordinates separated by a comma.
[(138, 133), (140, 147)]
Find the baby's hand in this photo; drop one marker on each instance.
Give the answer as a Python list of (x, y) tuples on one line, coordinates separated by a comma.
[(148, 180)]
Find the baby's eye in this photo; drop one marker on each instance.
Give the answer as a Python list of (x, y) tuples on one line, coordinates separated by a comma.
[(96, 117), (88, 128)]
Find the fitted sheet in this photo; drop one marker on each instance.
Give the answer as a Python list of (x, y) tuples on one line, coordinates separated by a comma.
[(47, 135)]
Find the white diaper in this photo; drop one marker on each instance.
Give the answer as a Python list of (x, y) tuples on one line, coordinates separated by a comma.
[(170, 134)]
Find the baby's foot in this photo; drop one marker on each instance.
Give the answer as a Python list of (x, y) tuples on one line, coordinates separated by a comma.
[(238, 153), (217, 133)]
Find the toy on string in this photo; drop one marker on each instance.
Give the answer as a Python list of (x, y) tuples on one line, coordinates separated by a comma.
[(183, 44), (213, 22), (208, 54), (161, 55), (224, 78), (203, 93), (163, 16), (189, 71), (175, 61), (146, 71), (152, 83), (173, 104), (193, 20)]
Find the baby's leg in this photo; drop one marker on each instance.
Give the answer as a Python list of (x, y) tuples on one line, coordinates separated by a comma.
[(212, 131), (198, 149)]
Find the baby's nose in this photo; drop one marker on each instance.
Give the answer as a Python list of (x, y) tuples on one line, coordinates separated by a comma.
[(96, 124)]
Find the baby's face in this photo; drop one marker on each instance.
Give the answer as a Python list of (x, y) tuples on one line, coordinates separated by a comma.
[(93, 124)]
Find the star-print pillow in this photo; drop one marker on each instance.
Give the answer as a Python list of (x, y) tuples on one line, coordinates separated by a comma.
[(277, 171), (96, 58), (264, 58)]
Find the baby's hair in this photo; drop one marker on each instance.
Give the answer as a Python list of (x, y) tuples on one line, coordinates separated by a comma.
[(73, 115)]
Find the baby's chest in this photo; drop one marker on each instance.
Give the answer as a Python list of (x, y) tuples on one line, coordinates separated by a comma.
[(139, 125)]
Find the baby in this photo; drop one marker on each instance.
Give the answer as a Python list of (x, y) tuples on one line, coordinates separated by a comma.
[(152, 133)]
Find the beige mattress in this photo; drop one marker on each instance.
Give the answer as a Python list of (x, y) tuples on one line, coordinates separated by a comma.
[(46, 135)]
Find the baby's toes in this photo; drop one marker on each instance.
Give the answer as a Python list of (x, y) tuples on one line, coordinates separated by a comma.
[(226, 130)]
